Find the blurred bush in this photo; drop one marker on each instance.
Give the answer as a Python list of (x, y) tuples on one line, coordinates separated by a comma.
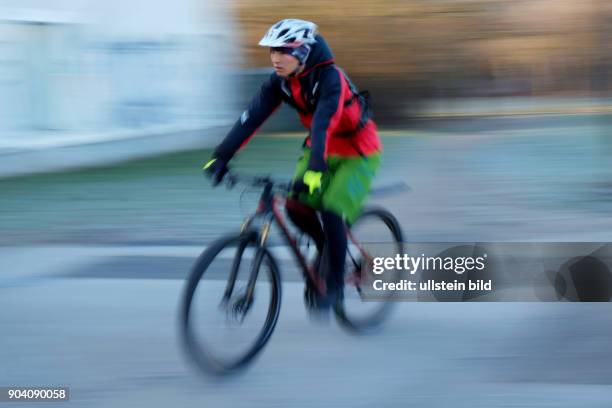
[(409, 51)]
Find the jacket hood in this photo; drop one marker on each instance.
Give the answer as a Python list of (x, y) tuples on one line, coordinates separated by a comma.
[(320, 54)]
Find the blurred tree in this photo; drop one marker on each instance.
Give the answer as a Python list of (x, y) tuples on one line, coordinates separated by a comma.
[(408, 50)]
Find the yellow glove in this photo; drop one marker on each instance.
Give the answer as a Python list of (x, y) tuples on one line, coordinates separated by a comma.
[(313, 180), (216, 169), (210, 163)]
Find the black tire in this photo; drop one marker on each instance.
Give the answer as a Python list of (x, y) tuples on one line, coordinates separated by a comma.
[(387, 223), (203, 357)]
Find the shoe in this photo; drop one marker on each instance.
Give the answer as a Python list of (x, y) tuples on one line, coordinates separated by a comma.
[(310, 294), (319, 307), (313, 300)]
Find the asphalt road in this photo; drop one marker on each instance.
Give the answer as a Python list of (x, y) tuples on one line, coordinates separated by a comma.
[(114, 342)]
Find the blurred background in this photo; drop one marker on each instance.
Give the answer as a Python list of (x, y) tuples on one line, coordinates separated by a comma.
[(496, 113)]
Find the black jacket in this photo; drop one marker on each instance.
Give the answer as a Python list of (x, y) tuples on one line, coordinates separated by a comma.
[(322, 90)]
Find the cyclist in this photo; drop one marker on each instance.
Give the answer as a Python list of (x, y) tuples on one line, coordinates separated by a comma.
[(340, 154)]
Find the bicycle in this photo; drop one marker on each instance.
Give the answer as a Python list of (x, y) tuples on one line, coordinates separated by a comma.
[(251, 244)]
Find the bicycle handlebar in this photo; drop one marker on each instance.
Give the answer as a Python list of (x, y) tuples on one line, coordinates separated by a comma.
[(231, 179)]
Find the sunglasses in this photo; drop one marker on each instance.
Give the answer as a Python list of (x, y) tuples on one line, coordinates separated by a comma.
[(282, 50)]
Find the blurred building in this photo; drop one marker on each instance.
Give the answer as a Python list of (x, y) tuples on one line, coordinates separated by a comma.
[(135, 77)]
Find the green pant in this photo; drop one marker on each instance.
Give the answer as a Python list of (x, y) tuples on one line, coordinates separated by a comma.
[(344, 186)]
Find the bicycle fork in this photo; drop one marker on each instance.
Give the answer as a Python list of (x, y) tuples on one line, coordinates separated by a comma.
[(257, 261), (242, 305)]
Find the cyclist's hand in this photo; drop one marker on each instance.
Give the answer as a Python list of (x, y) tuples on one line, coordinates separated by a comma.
[(313, 180), (216, 168)]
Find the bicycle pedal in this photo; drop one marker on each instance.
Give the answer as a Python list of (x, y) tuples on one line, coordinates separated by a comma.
[(310, 297)]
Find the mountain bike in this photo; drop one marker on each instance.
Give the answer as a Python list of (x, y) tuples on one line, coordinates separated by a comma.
[(243, 268)]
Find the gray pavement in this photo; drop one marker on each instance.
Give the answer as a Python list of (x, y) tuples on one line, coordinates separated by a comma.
[(115, 343)]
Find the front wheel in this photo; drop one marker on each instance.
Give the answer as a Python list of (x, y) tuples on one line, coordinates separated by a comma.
[(225, 322), (375, 233)]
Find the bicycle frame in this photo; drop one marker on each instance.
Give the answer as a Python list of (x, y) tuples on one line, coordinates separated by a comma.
[(270, 207)]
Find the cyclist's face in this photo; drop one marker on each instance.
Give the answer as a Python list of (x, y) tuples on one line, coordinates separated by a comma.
[(284, 64)]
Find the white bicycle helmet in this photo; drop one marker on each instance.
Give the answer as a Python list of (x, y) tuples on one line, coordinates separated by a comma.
[(291, 33)]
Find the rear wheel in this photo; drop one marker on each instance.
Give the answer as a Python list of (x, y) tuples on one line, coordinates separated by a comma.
[(376, 233), (224, 325)]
